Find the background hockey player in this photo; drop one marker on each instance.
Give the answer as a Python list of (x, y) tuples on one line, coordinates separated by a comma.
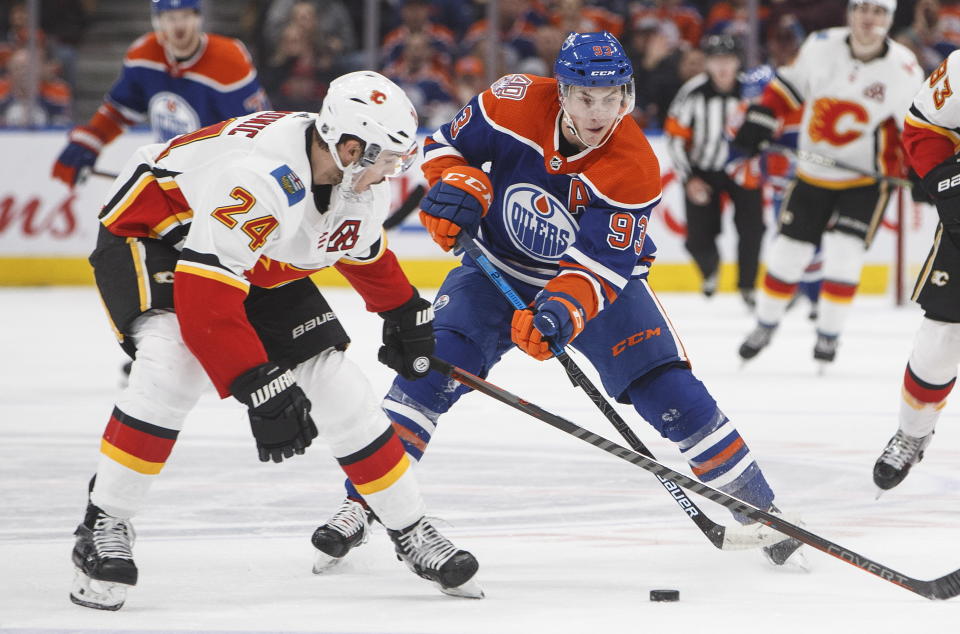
[(563, 214), (696, 127), (854, 84), (238, 214), (931, 140), (177, 77)]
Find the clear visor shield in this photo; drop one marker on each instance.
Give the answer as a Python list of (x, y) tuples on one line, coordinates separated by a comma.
[(593, 111), (376, 164)]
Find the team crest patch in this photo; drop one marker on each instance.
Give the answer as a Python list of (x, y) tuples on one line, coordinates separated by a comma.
[(440, 302), (290, 183), (537, 223), (555, 163)]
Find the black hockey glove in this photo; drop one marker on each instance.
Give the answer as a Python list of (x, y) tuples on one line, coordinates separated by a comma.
[(759, 125), (408, 338), (943, 185), (918, 192), (279, 411)]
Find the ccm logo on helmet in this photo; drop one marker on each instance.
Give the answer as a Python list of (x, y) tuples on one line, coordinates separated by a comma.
[(377, 97), (602, 73)]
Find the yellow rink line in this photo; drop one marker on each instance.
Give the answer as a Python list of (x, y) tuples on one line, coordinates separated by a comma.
[(664, 277)]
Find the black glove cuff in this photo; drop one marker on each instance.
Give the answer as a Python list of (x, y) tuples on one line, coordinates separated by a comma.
[(943, 181), (410, 313), (260, 386)]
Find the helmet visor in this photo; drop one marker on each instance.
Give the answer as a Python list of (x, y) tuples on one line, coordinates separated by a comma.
[(377, 164)]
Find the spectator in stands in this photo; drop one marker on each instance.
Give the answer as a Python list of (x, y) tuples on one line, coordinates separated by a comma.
[(469, 79), (17, 33), (731, 17), (812, 15), (783, 40), (52, 106), (425, 79), (64, 22), (688, 21), (572, 16), (656, 52), (949, 21), (546, 40), (925, 36), (517, 23), (415, 17), (326, 23), (298, 74)]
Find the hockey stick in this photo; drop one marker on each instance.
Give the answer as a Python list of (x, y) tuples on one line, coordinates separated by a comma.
[(945, 587), (409, 204), (826, 161), (716, 533)]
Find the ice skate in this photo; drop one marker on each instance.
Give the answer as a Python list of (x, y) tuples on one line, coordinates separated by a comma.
[(825, 349), (348, 528), (902, 452), (104, 561), (786, 553), (709, 286), (432, 556), (756, 341)]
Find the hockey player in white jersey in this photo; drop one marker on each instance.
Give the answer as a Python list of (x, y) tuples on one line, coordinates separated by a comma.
[(931, 140), (202, 262), (854, 84)]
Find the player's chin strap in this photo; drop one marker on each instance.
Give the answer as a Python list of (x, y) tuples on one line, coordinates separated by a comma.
[(567, 121), (723, 537)]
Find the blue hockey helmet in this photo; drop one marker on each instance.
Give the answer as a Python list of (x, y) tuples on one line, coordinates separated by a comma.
[(159, 6), (592, 59)]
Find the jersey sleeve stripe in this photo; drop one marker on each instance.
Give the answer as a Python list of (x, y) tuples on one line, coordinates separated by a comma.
[(595, 267), (212, 273), (221, 87), (499, 128), (639, 207), (603, 290), (917, 122), (126, 115), (787, 92), (126, 195)]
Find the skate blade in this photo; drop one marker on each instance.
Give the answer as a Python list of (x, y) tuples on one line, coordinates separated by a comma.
[(822, 367), (879, 493), (324, 563), (468, 590), (96, 594), (749, 536)]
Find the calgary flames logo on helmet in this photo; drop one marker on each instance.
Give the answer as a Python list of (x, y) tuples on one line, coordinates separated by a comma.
[(377, 97), (830, 121)]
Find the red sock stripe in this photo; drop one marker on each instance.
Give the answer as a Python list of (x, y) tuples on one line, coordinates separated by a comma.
[(839, 289), (375, 460), (778, 287), (923, 391), (139, 439)]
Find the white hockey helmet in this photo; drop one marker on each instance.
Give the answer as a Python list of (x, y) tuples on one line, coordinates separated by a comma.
[(889, 5), (372, 108)]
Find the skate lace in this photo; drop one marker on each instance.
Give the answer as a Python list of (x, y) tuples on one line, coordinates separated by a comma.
[(113, 537), (901, 449), (349, 519), (426, 547)]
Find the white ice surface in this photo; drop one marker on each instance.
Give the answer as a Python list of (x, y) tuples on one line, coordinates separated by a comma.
[(570, 539)]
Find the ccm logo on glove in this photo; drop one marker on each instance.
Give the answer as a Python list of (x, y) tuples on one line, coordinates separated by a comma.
[(466, 182)]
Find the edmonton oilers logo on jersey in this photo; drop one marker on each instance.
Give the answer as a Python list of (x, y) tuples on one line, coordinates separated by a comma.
[(171, 115), (537, 223)]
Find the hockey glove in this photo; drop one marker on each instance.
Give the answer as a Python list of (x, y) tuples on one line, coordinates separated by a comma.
[(79, 155), (943, 185), (759, 126), (408, 338), (456, 202), (279, 411), (556, 318), (918, 192)]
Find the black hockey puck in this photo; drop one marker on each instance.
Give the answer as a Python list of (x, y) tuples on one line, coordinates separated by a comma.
[(664, 595)]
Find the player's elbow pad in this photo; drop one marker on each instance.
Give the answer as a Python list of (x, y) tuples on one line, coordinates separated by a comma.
[(943, 185)]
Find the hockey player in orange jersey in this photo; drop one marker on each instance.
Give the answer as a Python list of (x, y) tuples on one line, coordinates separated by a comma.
[(178, 78)]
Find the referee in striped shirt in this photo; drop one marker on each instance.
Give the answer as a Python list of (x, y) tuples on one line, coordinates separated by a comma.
[(696, 124)]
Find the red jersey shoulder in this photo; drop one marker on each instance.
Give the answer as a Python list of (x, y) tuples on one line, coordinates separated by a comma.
[(146, 48), (626, 170), (225, 60), (524, 104)]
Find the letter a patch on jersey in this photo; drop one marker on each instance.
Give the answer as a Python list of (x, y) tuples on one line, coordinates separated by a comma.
[(290, 183)]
